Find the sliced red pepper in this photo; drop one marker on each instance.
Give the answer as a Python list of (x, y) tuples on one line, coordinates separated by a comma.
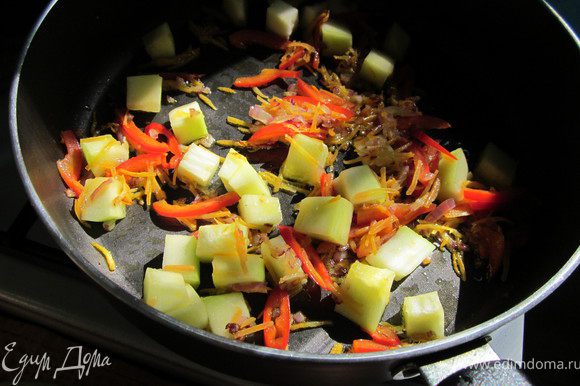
[(369, 213), (139, 140), (404, 213), (266, 76), (326, 184), (301, 99), (163, 208), (287, 62), (288, 234), (322, 96), (360, 346), (141, 162), (313, 256), (244, 38), (479, 199), (421, 136), (70, 167), (154, 130), (385, 335), (421, 122), (277, 309), (271, 133)]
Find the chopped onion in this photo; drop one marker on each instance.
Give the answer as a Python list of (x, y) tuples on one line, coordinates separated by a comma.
[(258, 113), (441, 210)]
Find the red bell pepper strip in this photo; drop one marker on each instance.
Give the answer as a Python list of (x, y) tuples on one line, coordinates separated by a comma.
[(385, 336), (479, 199), (244, 38), (312, 255), (266, 76), (141, 162), (288, 234), (163, 208), (301, 99), (287, 62), (71, 165), (270, 133), (369, 213), (277, 309), (326, 184), (421, 122), (421, 136), (360, 346), (322, 96), (154, 130), (404, 213), (139, 140)]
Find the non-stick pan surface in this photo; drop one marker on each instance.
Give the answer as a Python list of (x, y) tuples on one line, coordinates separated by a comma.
[(491, 72)]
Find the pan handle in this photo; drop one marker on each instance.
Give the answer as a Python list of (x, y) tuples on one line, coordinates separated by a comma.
[(477, 365)]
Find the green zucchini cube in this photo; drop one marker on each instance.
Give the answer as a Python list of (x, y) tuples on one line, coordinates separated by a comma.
[(453, 175), (325, 218), (179, 256), (221, 310), (191, 312), (423, 317), (366, 291), (218, 240), (239, 176), (144, 93), (228, 271), (198, 166), (159, 42), (100, 200), (188, 123), (281, 18), (306, 160), (402, 253), (360, 185), (163, 290), (282, 263), (260, 211), (376, 68), (496, 167), (336, 39), (103, 153)]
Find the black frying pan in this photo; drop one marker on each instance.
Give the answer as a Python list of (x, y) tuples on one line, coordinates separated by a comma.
[(508, 72)]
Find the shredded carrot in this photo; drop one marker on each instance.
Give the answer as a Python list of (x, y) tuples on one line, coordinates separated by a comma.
[(106, 254), (207, 101), (179, 268), (313, 324), (260, 94), (253, 329), (416, 174), (337, 348), (279, 183), (241, 247), (227, 90), (236, 121), (237, 316)]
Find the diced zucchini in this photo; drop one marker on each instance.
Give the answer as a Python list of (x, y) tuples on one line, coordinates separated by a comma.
[(281, 18), (236, 11), (188, 123), (496, 167), (198, 166), (239, 176), (163, 290), (336, 39), (179, 256), (100, 200), (218, 240), (144, 93), (159, 42), (366, 292), (306, 160), (360, 185), (103, 153), (228, 271), (260, 211), (221, 310), (376, 68), (402, 253), (325, 218), (281, 262), (193, 311), (396, 42), (453, 175), (423, 316)]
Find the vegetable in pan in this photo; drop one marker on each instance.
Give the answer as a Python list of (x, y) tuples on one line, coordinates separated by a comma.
[(375, 195)]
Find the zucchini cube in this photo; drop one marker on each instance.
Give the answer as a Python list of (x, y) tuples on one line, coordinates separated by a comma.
[(218, 240), (188, 123), (198, 166), (281, 262), (336, 39), (163, 290), (179, 256), (496, 167), (306, 160), (366, 292), (191, 312), (281, 18), (103, 153), (239, 176), (325, 218), (423, 317), (453, 175), (228, 271), (402, 253), (159, 42), (376, 68), (360, 185), (260, 211), (144, 93), (221, 310), (100, 200)]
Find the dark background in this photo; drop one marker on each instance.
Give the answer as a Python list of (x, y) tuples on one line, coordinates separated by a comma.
[(551, 329)]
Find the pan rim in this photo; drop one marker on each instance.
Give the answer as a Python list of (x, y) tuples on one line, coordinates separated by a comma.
[(101, 279)]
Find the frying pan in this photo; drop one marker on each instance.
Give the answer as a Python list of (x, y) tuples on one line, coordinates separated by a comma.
[(486, 66)]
